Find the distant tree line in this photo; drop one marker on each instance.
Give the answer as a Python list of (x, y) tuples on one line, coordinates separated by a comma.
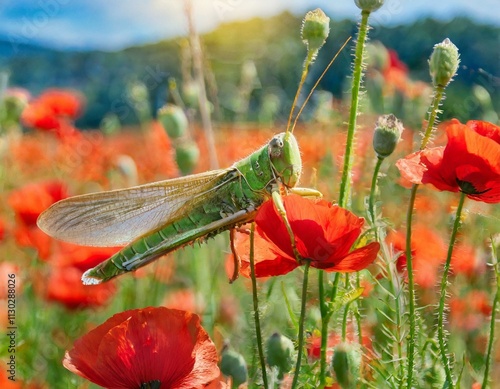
[(273, 46)]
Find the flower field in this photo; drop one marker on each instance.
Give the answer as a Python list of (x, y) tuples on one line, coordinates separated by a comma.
[(381, 273)]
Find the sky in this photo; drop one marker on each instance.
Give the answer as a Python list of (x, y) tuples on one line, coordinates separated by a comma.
[(115, 24)]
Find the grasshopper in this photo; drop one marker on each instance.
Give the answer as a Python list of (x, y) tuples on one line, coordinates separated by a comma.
[(160, 217)]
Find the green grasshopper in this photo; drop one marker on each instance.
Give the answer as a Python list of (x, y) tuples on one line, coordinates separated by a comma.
[(157, 218)]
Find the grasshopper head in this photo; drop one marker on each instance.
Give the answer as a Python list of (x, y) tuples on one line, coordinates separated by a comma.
[(285, 158)]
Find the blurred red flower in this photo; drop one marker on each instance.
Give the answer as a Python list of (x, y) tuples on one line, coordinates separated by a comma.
[(428, 252), (28, 202), (53, 110), (62, 102), (469, 312), (465, 260), (183, 299), (469, 163), (324, 234), (65, 286), (157, 346), (3, 229), (81, 257), (9, 271)]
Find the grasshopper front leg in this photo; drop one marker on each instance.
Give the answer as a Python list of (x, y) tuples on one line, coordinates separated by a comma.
[(306, 192), (278, 202)]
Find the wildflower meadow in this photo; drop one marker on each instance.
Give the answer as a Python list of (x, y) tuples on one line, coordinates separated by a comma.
[(350, 243)]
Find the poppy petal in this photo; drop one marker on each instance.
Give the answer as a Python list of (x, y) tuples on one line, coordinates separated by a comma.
[(357, 260)]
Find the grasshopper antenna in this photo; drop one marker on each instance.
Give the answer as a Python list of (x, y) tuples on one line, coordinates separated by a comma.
[(318, 81)]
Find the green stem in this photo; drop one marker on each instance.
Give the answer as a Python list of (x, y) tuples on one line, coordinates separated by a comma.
[(433, 112), (371, 199), (345, 184), (411, 286), (491, 339), (301, 324), (436, 100), (256, 307), (444, 283), (357, 312), (346, 310), (325, 316)]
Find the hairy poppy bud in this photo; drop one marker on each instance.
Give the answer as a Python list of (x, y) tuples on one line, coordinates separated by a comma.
[(279, 353), (443, 63), (315, 29), (174, 120), (387, 134), (233, 365), (369, 5), (186, 155), (346, 365), (434, 376)]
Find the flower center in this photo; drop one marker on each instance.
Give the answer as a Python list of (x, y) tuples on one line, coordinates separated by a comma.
[(155, 384), (469, 189)]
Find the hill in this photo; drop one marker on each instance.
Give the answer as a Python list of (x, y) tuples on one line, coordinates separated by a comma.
[(275, 47)]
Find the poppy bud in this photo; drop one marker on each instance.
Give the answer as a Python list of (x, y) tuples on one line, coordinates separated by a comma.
[(369, 5), (279, 354), (186, 156), (443, 63), (190, 94), (174, 120), (315, 29), (387, 134), (346, 364), (110, 124), (233, 365), (434, 376)]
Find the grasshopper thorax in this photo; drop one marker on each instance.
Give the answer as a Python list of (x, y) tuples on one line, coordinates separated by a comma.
[(285, 158)]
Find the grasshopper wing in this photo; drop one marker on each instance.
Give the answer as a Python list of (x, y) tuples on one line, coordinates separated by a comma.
[(117, 217)]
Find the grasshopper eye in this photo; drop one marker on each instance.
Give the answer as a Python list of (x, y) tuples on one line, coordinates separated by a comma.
[(275, 146)]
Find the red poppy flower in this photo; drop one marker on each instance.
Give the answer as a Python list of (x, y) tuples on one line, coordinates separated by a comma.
[(161, 346), (469, 312), (81, 257), (62, 102), (428, 252), (28, 203), (324, 234), (54, 110), (3, 229), (31, 200), (65, 286), (469, 163)]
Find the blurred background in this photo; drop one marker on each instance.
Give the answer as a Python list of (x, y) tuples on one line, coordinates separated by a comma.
[(102, 48)]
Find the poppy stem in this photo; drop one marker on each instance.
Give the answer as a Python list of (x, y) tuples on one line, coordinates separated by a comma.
[(444, 283), (346, 310), (307, 263), (496, 301), (434, 111), (371, 199), (256, 307), (326, 314), (325, 318), (345, 184), (411, 288)]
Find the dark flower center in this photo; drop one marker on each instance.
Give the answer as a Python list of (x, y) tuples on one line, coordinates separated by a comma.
[(469, 189), (155, 384)]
